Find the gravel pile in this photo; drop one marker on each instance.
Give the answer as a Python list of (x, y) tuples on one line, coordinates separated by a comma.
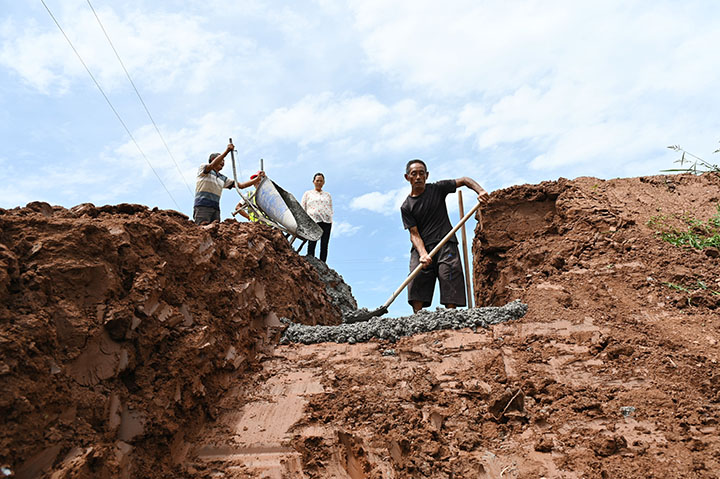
[(392, 329), (339, 291)]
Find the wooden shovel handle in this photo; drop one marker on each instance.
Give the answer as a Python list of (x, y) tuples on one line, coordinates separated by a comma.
[(432, 253)]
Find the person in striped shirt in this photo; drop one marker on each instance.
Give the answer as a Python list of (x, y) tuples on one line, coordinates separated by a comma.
[(210, 183)]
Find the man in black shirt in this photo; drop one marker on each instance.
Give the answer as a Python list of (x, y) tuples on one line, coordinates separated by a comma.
[(425, 214)]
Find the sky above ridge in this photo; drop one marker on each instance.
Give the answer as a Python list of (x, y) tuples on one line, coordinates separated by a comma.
[(504, 92)]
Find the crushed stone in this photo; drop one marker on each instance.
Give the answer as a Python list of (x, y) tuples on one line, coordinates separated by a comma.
[(392, 329), (335, 286)]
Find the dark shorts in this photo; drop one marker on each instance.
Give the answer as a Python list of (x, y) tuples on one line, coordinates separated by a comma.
[(203, 215), (446, 266)]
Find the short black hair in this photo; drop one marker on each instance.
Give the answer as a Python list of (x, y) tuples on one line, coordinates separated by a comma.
[(416, 160), (318, 174), (213, 156)]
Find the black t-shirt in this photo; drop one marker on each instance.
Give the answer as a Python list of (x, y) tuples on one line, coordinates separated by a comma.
[(429, 213)]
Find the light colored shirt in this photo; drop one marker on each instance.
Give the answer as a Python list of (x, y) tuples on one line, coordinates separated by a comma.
[(209, 187), (318, 205)]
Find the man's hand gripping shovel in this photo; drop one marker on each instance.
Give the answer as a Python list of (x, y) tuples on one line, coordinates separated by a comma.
[(360, 316)]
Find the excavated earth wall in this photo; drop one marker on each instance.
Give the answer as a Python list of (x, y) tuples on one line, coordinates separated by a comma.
[(135, 344), (120, 327), (622, 328)]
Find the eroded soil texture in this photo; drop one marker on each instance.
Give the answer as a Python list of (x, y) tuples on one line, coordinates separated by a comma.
[(135, 344), (121, 327)]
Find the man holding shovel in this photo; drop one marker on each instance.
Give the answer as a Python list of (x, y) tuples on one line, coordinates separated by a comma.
[(425, 215)]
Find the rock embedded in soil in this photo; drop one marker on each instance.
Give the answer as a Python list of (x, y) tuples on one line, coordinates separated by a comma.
[(392, 329)]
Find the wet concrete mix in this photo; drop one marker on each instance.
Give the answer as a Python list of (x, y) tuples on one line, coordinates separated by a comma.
[(392, 329)]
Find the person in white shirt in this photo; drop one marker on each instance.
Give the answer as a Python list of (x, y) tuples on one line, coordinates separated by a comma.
[(318, 205)]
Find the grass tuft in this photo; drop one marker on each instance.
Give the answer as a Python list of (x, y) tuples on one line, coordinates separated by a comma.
[(694, 233)]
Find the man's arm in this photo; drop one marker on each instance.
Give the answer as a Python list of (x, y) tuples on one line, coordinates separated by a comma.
[(419, 245), (213, 164), (254, 181), (483, 195)]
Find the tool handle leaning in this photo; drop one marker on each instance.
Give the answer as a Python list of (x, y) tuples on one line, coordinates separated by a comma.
[(432, 253)]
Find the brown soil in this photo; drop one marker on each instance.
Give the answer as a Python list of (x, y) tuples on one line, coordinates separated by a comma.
[(135, 344)]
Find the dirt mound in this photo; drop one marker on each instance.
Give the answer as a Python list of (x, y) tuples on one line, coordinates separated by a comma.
[(611, 373), (120, 328), (135, 344), (619, 350)]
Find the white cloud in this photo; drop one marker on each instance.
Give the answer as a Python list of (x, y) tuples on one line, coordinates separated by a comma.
[(317, 118), (162, 51), (570, 81), (343, 228), (62, 184), (453, 48), (358, 123), (491, 47), (377, 202), (412, 127)]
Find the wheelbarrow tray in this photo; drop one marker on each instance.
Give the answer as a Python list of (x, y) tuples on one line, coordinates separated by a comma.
[(282, 207)]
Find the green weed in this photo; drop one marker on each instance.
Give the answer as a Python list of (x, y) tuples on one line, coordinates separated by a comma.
[(698, 166), (676, 287), (699, 285), (693, 234)]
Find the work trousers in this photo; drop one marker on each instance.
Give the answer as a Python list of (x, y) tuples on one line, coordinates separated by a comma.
[(324, 240), (445, 267), (203, 215)]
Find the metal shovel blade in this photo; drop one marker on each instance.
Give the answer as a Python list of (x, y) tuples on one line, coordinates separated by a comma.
[(364, 315)]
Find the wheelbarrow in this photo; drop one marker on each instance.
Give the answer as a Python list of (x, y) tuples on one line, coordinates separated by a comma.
[(272, 205)]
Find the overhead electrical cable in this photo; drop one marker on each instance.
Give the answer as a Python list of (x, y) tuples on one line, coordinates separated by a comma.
[(117, 55), (110, 104)]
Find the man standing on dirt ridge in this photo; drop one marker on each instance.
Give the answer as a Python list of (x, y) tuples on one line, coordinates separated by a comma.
[(425, 215), (210, 184)]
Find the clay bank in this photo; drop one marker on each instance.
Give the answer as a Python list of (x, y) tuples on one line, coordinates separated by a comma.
[(134, 343)]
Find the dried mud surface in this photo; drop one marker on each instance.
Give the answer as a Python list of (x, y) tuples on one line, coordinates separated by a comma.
[(135, 344)]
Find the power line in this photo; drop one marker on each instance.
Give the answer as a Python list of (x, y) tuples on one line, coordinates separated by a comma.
[(110, 104), (117, 55)]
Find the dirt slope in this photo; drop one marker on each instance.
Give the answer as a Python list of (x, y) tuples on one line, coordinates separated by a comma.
[(612, 373), (120, 327)]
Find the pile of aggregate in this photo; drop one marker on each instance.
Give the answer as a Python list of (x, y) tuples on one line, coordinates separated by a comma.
[(392, 329), (336, 288)]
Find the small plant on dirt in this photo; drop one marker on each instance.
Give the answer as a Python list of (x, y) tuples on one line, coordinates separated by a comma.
[(698, 166), (676, 287), (700, 285), (696, 233)]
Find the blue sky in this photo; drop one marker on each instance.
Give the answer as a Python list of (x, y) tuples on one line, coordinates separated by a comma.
[(506, 92)]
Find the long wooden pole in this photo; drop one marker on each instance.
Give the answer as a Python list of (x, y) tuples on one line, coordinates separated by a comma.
[(468, 278)]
